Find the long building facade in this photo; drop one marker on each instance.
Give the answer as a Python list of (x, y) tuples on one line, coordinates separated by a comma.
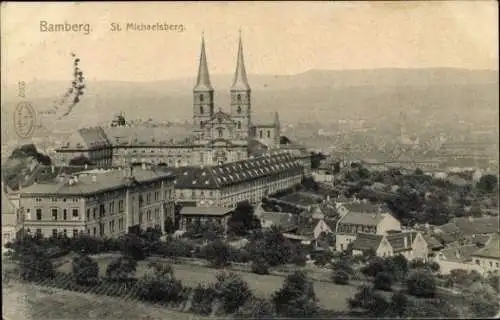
[(213, 137), (101, 203), (228, 184)]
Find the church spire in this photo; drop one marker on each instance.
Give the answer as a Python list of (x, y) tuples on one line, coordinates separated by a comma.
[(203, 80), (240, 81)]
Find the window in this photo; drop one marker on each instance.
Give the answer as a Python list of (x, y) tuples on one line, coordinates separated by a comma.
[(220, 133), (120, 205), (54, 214), (269, 133), (54, 232), (38, 232), (39, 214), (238, 97), (239, 124), (491, 264), (94, 214), (149, 215), (260, 133), (202, 124), (477, 261), (201, 109), (101, 229), (95, 231), (75, 213), (140, 217), (201, 98), (238, 109)]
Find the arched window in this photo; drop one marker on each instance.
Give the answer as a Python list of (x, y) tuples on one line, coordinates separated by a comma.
[(239, 124), (201, 98), (220, 133), (239, 109)]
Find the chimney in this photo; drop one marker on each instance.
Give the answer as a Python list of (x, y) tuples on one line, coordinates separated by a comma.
[(94, 178)]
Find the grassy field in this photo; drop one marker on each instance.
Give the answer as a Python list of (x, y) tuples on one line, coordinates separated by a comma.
[(30, 302), (330, 295)]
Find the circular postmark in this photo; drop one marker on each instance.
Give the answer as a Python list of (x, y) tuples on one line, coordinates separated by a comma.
[(24, 119)]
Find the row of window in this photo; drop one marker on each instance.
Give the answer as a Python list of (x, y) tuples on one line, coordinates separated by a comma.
[(55, 214), (490, 262)]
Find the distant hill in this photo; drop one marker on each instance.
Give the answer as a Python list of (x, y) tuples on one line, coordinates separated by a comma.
[(318, 96)]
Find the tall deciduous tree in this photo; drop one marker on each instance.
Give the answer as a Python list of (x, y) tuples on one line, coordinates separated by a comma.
[(297, 297), (243, 219)]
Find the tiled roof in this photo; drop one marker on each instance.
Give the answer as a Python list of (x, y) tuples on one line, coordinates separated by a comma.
[(491, 249), (363, 207), (397, 240), (459, 253), (107, 180), (205, 211), (472, 226), (87, 138), (148, 136), (448, 228), (307, 228), (256, 148), (214, 177), (366, 241), (432, 242), (367, 219)]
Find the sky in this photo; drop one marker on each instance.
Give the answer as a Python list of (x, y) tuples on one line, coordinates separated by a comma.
[(278, 38)]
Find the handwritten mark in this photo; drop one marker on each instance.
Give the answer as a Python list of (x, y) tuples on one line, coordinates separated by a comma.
[(24, 119)]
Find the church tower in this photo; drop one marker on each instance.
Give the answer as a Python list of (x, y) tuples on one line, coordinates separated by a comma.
[(203, 93), (240, 96)]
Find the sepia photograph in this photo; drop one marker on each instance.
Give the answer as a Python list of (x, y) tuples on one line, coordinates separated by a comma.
[(250, 160)]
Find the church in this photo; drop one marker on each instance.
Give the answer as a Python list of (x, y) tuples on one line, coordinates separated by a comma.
[(215, 136)]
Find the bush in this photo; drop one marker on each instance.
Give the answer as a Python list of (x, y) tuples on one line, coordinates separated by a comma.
[(159, 284), (232, 291), (369, 301), (85, 270), (382, 281), (260, 266), (341, 277), (121, 268), (217, 253), (256, 308), (421, 283), (203, 298)]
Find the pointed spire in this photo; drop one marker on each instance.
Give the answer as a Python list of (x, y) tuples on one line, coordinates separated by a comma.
[(203, 80), (240, 81)]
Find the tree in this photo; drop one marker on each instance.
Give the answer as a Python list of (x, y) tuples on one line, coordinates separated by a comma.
[(401, 265), (243, 219), (487, 183), (85, 270), (232, 291), (270, 245), (370, 301), (421, 283), (340, 277), (34, 263), (159, 283), (260, 266), (203, 297), (175, 248), (169, 226), (121, 268), (217, 253), (256, 308), (212, 231), (297, 297), (382, 281), (399, 303), (481, 299), (133, 246), (375, 266)]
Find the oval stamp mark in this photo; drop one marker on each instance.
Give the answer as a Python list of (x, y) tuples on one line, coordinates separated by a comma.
[(24, 119)]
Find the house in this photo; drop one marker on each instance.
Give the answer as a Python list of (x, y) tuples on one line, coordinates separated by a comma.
[(471, 229), (283, 220), (11, 219), (218, 215), (488, 258), (353, 223), (457, 257), (411, 245)]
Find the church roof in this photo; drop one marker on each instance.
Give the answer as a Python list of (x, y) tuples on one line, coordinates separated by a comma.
[(240, 81), (148, 136), (203, 80)]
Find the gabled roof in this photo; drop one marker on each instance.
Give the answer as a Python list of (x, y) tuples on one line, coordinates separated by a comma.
[(205, 211), (214, 177), (491, 249), (432, 242), (397, 240), (367, 219), (367, 241), (84, 185)]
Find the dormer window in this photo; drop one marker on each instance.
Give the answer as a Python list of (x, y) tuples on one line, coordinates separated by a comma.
[(239, 109)]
